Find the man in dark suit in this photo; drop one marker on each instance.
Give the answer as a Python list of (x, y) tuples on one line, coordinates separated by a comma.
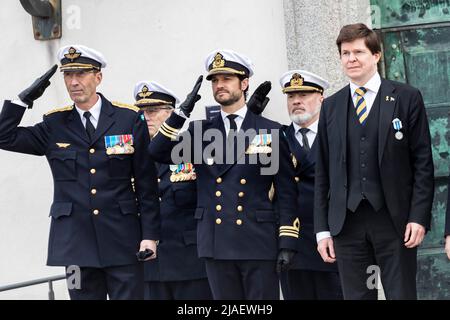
[(374, 175), (177, 273), (447, 223), (241, 233), (309, 277), (95, 148)]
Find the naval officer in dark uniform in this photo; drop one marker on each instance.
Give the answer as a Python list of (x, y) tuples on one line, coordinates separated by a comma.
[(95, 148), (309, 277), (242, 235), (177, 273)]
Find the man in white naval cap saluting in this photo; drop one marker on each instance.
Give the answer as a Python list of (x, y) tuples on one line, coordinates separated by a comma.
[(243, 236), (95, 149)]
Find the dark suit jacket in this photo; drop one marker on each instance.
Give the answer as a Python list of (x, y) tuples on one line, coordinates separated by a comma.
[(236, 218), (78, 236), (307, 258), (406, 165), (177, 258)]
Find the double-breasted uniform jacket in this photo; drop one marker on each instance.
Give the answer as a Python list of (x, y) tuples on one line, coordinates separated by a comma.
[(308, 258), (236, 218), (405, 164), (177, 258), (97, 219)]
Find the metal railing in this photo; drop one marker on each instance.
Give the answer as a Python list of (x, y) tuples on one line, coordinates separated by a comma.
[(49, 280)]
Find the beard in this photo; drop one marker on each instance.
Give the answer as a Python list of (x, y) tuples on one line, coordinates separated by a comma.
[(231, 99), (302, 119)]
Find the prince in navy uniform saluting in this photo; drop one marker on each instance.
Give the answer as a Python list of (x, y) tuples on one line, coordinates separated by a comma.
[(177, 273), (95, 148), (241, 233)]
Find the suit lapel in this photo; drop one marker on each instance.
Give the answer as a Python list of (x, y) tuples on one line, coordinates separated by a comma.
[(312, 153), (342, 115), (387, 106), (74, 123), (217, 123), (105, 121)]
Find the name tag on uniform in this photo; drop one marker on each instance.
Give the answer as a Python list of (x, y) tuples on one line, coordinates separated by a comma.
[(260, 144), (119, 144)]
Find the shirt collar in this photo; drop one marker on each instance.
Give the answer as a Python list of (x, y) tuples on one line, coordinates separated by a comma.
[(373, 84), (241, 113), (95, 110), (313, 127)]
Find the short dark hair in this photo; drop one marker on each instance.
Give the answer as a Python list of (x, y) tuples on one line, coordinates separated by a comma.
[(241, 78), (356, 31)]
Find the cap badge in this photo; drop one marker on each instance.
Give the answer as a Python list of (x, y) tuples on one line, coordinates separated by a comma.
[(145, 93), (296, 80), (218, 61), (72, 54)]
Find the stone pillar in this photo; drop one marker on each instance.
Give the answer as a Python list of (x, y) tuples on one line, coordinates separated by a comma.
[(311, 30)]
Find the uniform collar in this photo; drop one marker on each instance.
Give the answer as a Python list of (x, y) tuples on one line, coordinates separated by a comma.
[(240, 113), (95, 110), (313, 127)]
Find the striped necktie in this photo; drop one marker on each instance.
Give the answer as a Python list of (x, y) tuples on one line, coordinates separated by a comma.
[(361, 107)]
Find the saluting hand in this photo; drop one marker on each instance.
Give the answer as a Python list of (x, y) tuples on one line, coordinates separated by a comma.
[(258, 101), (414, 235), (326, 250), (37, 88), (188, 105)]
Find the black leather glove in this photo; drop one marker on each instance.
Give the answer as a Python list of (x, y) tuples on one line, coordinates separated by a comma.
[(258, 101), (188, 105), (37, 88), (285, 259)]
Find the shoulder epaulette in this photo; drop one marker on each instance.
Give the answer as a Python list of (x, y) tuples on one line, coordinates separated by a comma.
[(126, 106), (67, 108)]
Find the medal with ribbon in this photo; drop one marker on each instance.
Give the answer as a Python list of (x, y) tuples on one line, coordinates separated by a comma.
[(397, 124), (182, 172), (119, 144)]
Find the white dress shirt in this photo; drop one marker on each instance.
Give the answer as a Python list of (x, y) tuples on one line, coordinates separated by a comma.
[(95, 113), (310, 135), (372, 86), (239, 119)]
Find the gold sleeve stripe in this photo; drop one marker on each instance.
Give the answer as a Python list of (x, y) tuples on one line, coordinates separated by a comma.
[(289, 231), (288, 234), (288, 228), (168, 135), (295, 226), (170, 129)]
